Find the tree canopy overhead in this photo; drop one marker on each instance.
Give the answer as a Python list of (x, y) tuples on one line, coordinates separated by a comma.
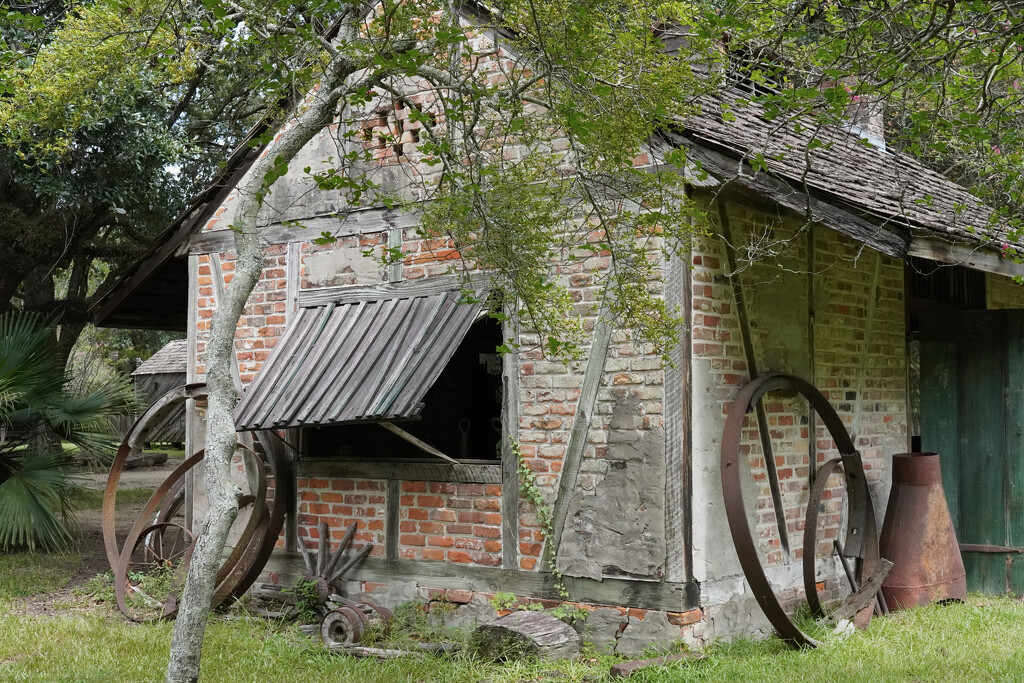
[(946, 75), (112, 115)]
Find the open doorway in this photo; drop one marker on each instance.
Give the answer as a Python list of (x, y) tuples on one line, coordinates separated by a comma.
[(933, 288)]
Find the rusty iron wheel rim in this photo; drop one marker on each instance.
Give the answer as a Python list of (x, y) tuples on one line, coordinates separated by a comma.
[(862, 535), (258, 537)]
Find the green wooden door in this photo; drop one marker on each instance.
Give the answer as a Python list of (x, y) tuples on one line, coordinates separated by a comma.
[(972, 412)]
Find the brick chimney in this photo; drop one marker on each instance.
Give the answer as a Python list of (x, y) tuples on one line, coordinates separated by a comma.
[(866, 116)]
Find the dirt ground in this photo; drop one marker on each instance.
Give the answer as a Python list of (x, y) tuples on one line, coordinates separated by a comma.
[(142, 478)]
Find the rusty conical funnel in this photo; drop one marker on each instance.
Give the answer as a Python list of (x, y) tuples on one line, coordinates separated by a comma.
[(918, 536)]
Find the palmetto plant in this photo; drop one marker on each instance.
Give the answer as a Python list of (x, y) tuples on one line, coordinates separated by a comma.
[(37, 414)]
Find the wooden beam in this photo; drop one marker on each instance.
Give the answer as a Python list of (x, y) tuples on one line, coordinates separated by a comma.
[(359, 222), (415, 441), (812, 370), (391, 519), (751, 359), (976, 256), (580, 431), (311, 298), (293, 280), (462, 473), (677, 387), (192, 426), (510, 397), (396, 235), (656, 595), (869, 330)]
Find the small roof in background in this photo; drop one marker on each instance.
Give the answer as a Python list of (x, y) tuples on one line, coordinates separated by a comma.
[(364, 361), (171, 359)]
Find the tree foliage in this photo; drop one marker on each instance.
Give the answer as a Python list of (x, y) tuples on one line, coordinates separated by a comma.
[(112, 115), (35, 402), (946, 75)]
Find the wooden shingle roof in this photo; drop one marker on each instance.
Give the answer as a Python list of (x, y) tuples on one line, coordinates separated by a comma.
[(836, 166), (171, 359)]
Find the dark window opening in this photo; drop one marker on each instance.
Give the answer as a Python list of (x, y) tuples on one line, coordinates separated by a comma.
[(936, 286), (460, 416)]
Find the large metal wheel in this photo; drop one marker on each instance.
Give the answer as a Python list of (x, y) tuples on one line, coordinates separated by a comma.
[(861, 532), (159, 539)]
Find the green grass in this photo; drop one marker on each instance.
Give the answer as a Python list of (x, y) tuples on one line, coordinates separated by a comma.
[(92, 499), (172, 453), (981, 640), (25, 574)]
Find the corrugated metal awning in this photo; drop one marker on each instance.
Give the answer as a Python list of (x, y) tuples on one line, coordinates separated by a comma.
[(365, 361)]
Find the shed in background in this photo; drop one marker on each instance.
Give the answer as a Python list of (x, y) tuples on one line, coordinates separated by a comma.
[(165, 370)]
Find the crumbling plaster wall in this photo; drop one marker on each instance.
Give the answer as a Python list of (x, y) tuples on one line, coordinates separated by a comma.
[(834, 317)]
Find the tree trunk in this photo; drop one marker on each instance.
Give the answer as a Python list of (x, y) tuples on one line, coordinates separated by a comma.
[(222, 494)]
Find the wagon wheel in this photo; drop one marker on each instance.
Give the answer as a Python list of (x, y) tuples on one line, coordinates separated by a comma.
[(331, 567), (232, 571), (159, 537), (150, 584), (344, 626), (166, 543)]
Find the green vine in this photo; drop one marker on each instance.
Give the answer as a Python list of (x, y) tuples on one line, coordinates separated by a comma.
[(529, 490)]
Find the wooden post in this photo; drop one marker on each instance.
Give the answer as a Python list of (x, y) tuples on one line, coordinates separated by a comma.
[(678, 436), (510, 397), (192, 442), (869, 328), (391, 519), (812, 417), (293, 437), (748, 351), (580, 430)]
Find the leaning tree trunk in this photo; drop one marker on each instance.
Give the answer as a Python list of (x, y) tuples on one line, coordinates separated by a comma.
[(222, 494)]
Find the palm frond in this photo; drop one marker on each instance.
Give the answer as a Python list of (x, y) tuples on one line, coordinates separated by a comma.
[(28, 372), (34, 504), (36, 408)]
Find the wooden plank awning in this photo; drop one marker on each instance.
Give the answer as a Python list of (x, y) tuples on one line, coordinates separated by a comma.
[(367, 361)]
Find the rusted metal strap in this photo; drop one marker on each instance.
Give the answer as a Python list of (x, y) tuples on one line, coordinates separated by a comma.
[(984, 548)]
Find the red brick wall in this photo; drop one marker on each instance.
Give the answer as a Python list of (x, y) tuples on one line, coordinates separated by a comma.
[(458, 523), (455, 522), (845, 353), (340, 502), (262, 320)]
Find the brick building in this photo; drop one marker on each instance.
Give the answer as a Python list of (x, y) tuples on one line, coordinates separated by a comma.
[(821, 268)]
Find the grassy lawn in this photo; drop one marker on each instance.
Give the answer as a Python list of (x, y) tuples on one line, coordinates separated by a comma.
[(172, 453), (25, 574), (92, 499), (980, 640)]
